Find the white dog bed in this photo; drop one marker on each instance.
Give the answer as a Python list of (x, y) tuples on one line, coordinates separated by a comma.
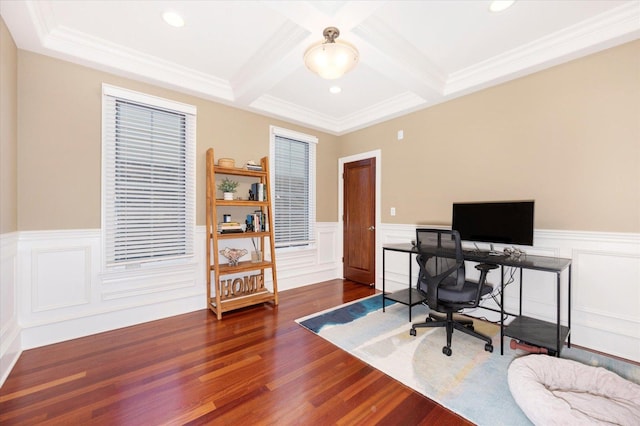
[(556, 391)]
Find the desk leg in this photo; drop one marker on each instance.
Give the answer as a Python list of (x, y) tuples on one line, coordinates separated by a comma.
[(569, 308), (501, 310), (410, 292), (558, 304), (520, 309), (384, 271)]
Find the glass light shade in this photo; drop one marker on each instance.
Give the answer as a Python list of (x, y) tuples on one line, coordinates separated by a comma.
[(500, 5), (173, 19), (331, 60)]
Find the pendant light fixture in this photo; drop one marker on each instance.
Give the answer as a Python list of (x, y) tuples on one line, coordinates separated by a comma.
[(331, 58)]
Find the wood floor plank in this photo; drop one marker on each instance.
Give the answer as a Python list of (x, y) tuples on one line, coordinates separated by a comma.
[(255, 366), (190, 415), (38, 388)]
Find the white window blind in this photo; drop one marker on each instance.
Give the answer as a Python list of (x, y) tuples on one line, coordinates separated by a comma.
[(294, 160), (148, 177)]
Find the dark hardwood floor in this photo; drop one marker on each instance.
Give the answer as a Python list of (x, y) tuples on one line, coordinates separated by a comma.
[(256, 366)]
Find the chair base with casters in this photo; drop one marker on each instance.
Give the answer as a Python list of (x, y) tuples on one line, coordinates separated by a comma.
[(450, 324), (459, 318), (449, 309)]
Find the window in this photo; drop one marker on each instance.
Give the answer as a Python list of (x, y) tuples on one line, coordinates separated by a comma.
[(148, 205), (293, 176)]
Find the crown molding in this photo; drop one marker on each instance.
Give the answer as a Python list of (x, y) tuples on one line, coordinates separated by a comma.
[(377, 113), (396, 106), (84, 49), (603, 31), (132, 63), (278, 108)]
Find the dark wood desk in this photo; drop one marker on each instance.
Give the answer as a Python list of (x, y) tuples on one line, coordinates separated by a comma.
[(526, 329)]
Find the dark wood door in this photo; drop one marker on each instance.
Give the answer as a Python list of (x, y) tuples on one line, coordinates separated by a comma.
[(359, 219)]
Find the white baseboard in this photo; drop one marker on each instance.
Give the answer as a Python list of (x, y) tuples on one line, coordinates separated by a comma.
[(10, 349), (98, 322), (10, 332)]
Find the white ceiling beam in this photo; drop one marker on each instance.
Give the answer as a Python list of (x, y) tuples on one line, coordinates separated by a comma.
[(279, 56), (397, 59), (315, 16)]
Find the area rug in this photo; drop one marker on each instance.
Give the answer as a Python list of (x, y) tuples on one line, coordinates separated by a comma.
[(471, 382)]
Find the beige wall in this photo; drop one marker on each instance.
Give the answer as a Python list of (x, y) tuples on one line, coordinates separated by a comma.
[(568, 137), (8, 131), (59, 156)]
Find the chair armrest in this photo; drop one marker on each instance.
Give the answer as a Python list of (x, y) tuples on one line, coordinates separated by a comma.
[(484, 269)]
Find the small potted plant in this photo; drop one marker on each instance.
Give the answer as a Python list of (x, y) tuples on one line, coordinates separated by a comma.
[(228, 187)]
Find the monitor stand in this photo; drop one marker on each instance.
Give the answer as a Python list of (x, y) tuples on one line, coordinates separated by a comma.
[(493, 252)]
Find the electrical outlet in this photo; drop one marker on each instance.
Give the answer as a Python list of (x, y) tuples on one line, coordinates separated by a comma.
[(393, 211)]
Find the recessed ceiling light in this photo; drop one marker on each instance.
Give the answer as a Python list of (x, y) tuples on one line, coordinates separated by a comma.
[(335, 89), (500, 5), (173, 19)]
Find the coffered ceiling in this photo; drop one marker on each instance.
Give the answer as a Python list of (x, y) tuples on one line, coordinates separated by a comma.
[(413, 54)]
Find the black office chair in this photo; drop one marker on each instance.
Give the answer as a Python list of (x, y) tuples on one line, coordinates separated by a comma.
[(442, 280)]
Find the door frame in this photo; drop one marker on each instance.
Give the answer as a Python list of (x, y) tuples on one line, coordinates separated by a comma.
[(377, 154)]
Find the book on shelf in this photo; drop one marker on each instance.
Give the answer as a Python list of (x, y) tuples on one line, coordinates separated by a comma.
[(258, 191), (257, 221), (229, 227), (229, 224), (231, 231), (251, 165)]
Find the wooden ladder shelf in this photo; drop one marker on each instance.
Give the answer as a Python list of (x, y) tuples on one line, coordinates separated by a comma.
[(231, 287)]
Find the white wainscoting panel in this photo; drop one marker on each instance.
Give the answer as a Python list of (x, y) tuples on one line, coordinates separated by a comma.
[(300, 267), (10, 343), (605, 284), (53, 286), (64, 293), (149, 283)]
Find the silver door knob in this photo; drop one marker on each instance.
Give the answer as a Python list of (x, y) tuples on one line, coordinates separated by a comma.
[(371, 228)]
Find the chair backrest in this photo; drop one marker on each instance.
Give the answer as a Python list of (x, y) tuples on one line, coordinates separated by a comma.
[(440, 260)]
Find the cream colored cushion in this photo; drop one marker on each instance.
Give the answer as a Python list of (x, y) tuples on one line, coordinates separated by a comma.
[(556, 391)]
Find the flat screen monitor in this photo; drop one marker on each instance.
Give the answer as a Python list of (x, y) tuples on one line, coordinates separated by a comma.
[(505, 222)]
